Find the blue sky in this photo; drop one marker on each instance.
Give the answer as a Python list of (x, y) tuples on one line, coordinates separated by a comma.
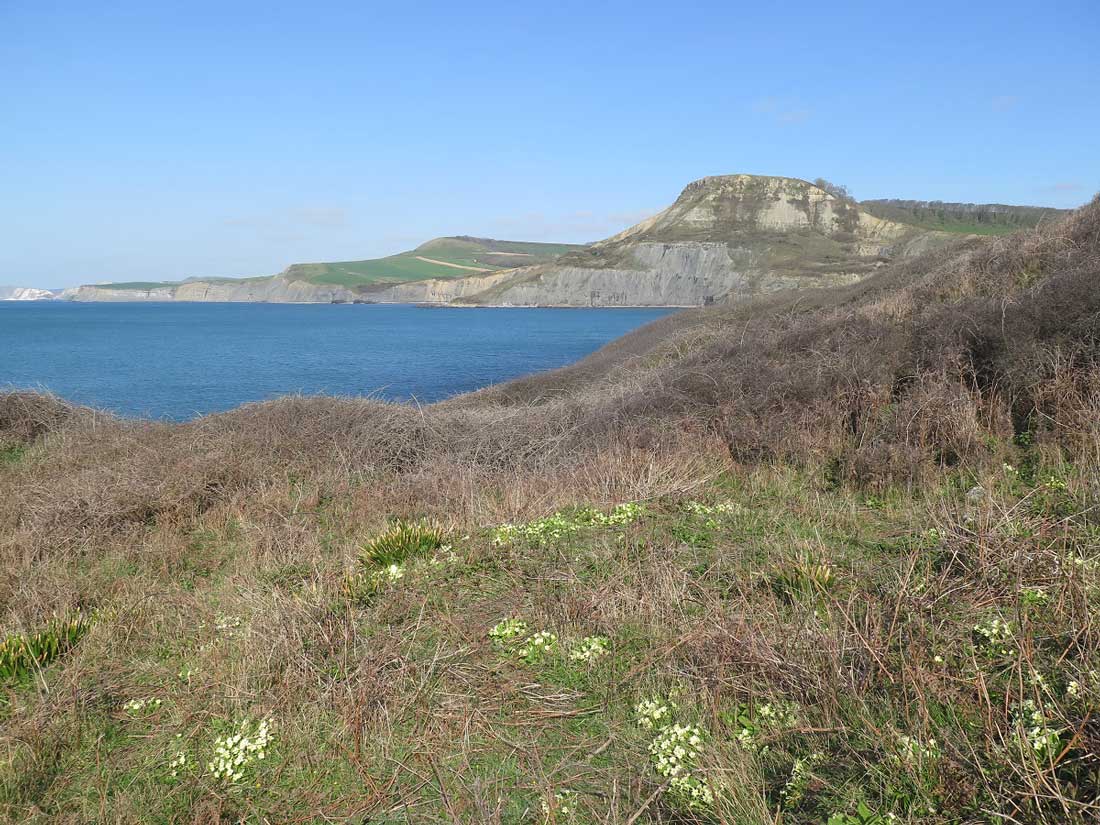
[(149, 141)]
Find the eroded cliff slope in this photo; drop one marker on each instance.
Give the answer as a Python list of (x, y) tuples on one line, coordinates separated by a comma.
[(724, 237)]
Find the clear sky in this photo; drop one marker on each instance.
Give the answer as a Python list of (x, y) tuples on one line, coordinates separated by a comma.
[(149, 140)]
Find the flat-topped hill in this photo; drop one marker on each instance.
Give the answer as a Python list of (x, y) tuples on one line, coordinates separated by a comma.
[(723, 238)]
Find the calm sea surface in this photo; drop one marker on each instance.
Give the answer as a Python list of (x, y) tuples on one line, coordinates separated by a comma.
[(181, 360)]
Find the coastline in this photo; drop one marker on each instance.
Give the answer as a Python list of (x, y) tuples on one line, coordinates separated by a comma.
[(395, 353), (418, 304)]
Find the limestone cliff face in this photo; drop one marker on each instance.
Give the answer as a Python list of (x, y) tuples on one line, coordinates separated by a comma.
[(24, 293), (654, 274), (715, 207), (724, 237), (108, 294), (272, 290), (256, 290)]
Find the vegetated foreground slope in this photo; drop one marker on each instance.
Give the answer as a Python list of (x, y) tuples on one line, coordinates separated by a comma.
[(823, 556)]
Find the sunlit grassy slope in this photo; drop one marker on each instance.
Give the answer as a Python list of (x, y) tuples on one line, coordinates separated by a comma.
[(962, 218), (439, 258)]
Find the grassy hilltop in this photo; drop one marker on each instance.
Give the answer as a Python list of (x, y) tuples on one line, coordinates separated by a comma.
[(438, 258), (965, 218), (826, 556)]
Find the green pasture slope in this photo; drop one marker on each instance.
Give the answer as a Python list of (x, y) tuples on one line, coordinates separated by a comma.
[(962, 218), (476, 253)]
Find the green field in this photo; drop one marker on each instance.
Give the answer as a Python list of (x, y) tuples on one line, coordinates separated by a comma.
[(962, 218), (139, 285), (476, 253), (479, 254)]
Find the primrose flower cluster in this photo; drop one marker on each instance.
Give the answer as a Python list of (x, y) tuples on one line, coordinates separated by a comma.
[(507, 629), (564, 523), (770, 717), (1075, 690), (537, 645), (513, 633), (1034, 596), (391, 573), (589, 649), (995, 636), (1035, 729), (227, 624), (914, 752), (178, 763), (653, 714), (675, 750), (235, 754), (563, 807), (142, 705), (722, 508), (445, 555)]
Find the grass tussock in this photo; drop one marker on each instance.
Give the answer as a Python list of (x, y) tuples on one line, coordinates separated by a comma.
[(818, 558)]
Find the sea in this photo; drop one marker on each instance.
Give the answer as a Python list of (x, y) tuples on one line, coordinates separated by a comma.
[(179, 361)]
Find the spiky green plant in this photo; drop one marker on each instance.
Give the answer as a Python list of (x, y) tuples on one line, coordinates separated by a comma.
[(804, 577), (22, 654), (403, 540), (382, 559)]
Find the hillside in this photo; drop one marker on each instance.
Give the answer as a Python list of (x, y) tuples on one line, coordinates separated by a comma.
[(828, 555), (440, 258), (723, 239), (968, 218)]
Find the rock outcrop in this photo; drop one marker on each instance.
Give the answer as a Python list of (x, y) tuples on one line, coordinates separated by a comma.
[(724, 237), (254, 290), (25, 293)]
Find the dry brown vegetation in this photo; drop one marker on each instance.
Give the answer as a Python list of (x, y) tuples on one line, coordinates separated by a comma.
[(840, 427)]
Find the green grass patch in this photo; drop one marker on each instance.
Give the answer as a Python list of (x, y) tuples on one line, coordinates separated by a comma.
[(12, 454), (477, 254)]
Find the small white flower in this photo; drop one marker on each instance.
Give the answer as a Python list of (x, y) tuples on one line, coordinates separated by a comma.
[(563, 806), (676, 762), (234, 753), (507, 629), (652, 713), (590, 648), (536, 645), (142, 705)]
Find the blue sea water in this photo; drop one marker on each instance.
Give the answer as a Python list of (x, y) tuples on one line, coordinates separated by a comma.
[(177, 361)]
